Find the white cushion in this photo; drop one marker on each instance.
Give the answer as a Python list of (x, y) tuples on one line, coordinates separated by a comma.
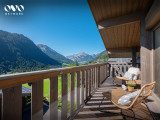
[(127, 99), (135, 71), (124, 87), (128, 75)]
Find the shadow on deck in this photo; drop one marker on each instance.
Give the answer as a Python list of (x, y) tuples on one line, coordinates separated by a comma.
[(110, 112)]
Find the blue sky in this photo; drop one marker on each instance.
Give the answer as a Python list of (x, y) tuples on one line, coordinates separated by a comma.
[(67, 27)]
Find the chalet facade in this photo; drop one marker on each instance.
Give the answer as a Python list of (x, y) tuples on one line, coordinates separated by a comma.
[(129, 29)]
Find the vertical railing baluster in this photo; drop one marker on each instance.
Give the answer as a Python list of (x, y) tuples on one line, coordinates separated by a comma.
[(89, 82), (12, 103), (72, 94), (124, 68), (86, 84), (93, 74), (98, 76), (82, 86), (54, 98), (105, 71), (78, 89), (108, 70), (121, 69), (1, 108), (112, 72), (64, 96), (93, 79), (37, 100), (52, 113), (101, 73), (129, 65)]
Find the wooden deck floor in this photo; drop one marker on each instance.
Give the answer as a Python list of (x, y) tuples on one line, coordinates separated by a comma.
[(108, 111)]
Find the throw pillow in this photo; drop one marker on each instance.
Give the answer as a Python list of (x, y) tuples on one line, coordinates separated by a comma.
[(127, 99), (128, 75)]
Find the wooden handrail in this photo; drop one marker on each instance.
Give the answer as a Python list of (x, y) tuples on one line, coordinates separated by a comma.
[(120, 63), (9, 80)]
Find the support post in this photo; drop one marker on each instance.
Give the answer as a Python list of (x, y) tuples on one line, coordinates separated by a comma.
[(146, 41), (134, 49)]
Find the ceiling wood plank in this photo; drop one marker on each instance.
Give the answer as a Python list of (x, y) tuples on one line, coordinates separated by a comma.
[(120, 20), (126, 35)]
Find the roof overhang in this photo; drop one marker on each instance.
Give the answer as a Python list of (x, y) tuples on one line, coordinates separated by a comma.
[(118, 22)]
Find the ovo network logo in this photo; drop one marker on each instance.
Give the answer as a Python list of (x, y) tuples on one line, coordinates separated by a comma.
[(14, 9)]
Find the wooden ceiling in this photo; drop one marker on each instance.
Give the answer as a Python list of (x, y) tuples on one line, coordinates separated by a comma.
[(126, 35), (105, 9), (121, 35)]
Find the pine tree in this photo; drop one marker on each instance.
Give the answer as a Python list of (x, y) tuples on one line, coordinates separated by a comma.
[(76, 63)]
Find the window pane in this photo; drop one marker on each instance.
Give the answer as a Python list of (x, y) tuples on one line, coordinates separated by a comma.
[(157, 62)]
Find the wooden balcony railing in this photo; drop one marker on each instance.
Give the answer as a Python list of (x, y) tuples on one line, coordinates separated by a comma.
[(120, 68), (88, 79)]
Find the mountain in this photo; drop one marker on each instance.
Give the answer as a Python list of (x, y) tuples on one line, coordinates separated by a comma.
[(81, 57), (101, 57), (94, 55), (18, 54), (53, 54)]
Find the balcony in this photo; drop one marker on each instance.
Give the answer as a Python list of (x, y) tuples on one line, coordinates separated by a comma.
[(86, 94), (88, 79)]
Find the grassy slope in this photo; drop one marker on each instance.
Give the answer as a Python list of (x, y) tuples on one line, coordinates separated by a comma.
[(103, 56)]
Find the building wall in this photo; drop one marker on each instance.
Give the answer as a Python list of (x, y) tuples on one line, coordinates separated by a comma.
[(146, 42)]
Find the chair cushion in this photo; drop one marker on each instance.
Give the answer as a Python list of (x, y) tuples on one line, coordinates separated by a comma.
[(127, 99), (124, 87), (128, 75), (135, 71)]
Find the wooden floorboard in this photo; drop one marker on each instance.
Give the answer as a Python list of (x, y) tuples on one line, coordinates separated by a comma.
[(109, 111)]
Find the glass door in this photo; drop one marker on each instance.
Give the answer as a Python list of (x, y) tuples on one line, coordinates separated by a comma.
[(157, 61)]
